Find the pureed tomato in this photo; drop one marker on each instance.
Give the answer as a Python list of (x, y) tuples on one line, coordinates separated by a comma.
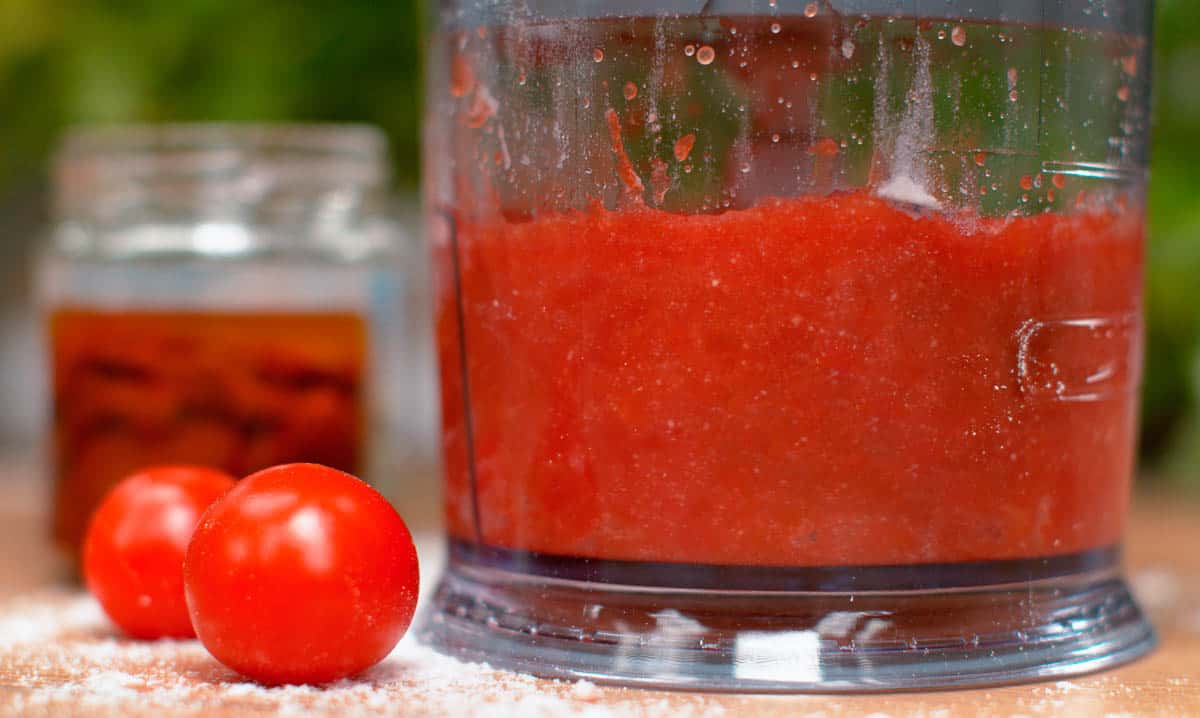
[(818, 381), (301, 574), (134, 548)]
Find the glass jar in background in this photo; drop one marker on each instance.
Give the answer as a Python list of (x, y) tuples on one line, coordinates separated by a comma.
[(232, 296), (788, 345)]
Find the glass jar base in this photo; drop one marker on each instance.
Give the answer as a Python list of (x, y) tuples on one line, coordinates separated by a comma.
[(787, 641)]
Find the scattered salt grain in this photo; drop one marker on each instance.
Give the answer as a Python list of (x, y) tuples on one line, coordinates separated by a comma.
[(585, 691), (50, 615), (60, 654)]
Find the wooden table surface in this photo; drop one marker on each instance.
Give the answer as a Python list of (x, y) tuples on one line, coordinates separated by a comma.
[(58, 656)]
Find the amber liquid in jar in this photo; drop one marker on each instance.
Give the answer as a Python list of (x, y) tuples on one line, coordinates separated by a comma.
[(239, 391)]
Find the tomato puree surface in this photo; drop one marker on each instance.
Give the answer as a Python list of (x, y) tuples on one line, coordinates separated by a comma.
[(817, 381)]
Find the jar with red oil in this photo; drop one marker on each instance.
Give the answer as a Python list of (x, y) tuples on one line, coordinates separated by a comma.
[(788, 345), (215, 295)]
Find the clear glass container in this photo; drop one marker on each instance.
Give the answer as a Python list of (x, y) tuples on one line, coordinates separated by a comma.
[(788, 345), (218, 295)]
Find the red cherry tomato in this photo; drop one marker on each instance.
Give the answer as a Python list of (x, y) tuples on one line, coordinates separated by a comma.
[(301, 574), (134, 548)]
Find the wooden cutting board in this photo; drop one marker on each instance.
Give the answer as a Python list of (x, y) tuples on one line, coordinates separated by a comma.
[(59, 656)]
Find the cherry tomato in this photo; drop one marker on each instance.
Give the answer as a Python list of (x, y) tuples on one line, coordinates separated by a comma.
[(135, 543), (301, 574)]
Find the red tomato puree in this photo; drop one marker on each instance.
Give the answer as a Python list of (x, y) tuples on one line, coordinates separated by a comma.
[(815, 381)]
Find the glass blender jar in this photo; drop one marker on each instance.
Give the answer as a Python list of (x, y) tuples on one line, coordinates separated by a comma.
[(788, 345)]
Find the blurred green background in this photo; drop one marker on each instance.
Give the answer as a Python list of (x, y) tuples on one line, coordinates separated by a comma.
[(64, 62)]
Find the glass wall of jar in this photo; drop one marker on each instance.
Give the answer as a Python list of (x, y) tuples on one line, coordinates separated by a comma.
[(788, 345), (231, 296)]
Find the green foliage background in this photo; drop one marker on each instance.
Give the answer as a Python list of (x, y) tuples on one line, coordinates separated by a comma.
[(64, 62), (73, 61)]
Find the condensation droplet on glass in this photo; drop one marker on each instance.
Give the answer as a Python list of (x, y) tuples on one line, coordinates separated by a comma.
[(810, 10), (772, 3), (652, 117), (687, 169), (689, 50), (598, 55), (795, 64), (683, 146), (629, 91), (587, 102), (775, 137), (745, 168), (847, 48), (958, 35), (941, 34), (705, 55), (1037, 180), (812, 76), (980, 159), (1123, 93), (521, 77), (1013, 95), (1024, 196), (1026, 182), (775, 28), (462, 77)]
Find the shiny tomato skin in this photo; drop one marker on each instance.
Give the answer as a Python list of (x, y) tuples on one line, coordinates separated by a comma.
[(301, 574), (135, 544)]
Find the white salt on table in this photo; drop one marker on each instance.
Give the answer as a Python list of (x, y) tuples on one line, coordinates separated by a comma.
[(59, 655)]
